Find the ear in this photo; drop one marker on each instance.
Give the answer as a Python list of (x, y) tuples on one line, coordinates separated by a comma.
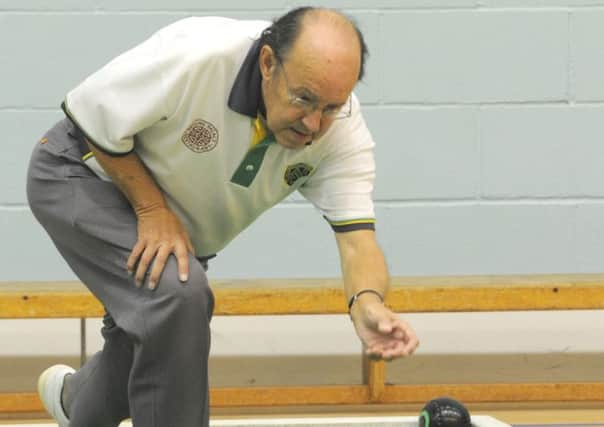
[(268, 62)]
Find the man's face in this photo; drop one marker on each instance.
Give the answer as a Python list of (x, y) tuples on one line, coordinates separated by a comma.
[(306, 92)]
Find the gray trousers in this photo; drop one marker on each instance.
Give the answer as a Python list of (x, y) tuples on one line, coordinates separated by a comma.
[(154, 363)]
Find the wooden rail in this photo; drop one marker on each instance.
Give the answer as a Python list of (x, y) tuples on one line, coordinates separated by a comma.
[(325, 296)]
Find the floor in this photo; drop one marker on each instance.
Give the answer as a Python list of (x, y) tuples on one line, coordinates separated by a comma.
[(364, 421), (502, 415)]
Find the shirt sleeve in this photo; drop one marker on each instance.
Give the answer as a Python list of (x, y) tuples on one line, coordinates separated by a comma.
[(341, 186), (121, 99)]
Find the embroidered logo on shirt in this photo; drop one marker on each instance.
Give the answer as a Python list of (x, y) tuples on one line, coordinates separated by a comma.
[(200, 137), (295, 172)]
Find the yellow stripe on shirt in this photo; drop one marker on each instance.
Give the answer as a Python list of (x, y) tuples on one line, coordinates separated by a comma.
[(353, 221), (87, 155), (260, 131)]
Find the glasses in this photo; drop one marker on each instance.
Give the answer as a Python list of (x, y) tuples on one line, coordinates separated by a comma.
[(309, 105)]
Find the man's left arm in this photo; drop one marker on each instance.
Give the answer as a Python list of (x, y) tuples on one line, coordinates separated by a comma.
[(383, 333)]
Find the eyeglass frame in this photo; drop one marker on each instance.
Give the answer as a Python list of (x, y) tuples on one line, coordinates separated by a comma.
[(309, 107)]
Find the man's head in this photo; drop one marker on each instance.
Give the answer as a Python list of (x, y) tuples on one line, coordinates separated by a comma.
[(310, 60)]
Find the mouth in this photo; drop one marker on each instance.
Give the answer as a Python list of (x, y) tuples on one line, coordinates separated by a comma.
[(301, 137)]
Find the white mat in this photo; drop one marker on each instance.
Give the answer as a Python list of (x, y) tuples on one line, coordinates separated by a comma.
[(477, 421)]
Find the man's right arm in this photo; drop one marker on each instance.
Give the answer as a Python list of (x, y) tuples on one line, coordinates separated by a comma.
[(160, 232)]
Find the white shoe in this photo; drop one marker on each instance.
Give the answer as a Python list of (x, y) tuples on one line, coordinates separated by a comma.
[(50, 387)]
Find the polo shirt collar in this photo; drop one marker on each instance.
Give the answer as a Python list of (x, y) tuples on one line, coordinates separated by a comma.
[(246, 94)]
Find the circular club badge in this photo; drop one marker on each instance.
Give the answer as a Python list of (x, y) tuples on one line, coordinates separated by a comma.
[(200, 137)]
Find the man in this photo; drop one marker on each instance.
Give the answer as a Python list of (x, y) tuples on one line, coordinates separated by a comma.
[(166, 154)]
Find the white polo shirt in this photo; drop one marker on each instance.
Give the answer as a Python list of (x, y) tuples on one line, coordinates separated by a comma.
[(185, 101)]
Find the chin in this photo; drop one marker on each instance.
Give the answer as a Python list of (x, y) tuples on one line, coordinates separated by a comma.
[(293, 145)]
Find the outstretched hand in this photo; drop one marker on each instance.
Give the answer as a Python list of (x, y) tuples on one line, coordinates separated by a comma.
[(383, 333)]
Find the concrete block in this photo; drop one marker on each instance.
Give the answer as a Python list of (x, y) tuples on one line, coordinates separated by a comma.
[(475, 57), (46, 6), (368, 90), (28, 253), (541, 151), (425, 153), (63, 50), (466, 239), (589, 229), (418, 239), (189, 5), (542, 3), (21, 131), (286, 241), (587, 152), (587, 55), (390, 4)]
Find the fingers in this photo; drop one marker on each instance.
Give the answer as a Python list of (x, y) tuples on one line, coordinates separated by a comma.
[(144, 262), (159, 262), (160, 234), (412, 343), (190, 249), (182, 259), (393, 350), (386, 326), (395, 338), (388, 351), (406, 336), (153, 259), (137, 250)]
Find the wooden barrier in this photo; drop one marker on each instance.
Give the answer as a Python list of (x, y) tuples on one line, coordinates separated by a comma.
[(20, 300)]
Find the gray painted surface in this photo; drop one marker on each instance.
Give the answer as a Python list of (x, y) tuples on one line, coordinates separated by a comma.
[(488, 117)]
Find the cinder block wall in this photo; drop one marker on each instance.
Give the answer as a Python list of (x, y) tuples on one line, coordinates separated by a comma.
[(488, 117)]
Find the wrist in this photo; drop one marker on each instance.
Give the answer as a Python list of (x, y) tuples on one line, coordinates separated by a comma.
[(147, 208), (365, 294)]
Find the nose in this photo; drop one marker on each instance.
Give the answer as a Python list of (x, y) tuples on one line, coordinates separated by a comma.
[(312, 121)]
